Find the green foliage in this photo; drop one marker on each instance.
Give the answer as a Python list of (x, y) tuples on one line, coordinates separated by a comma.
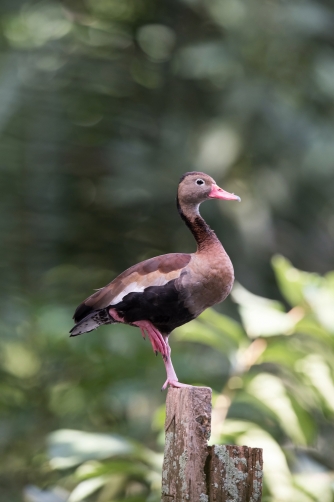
[(278, 395), (104, 104), (282, 387)]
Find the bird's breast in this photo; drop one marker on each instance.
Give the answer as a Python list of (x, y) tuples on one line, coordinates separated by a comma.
[(207, 281)]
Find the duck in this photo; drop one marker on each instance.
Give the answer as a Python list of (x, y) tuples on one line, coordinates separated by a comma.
[(162, 293)]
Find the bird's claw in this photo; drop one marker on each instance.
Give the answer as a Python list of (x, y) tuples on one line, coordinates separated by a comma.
[(156, 339), (175, 384)]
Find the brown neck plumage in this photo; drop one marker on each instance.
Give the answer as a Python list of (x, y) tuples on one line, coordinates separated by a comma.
[(204, 235)]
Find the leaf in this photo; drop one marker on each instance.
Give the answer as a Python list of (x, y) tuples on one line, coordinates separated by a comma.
[(321, 299), (196, 331), (309, 326), (260, 316), (292, 282), (86, 488), (246, 406), (305, 418), (228, 326), (315, 482), (71, 447), (125, 467), (279, 352), (244, 297), (318, 373), (271, 391)]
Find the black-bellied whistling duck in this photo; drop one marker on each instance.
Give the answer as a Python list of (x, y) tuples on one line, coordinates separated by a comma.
[(164, 292)]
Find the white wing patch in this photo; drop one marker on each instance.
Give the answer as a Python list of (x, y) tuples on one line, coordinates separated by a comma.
[(134, 287), (131, 288)]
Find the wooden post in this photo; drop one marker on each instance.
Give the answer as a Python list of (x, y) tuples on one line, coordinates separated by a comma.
[(234, 474), (187, 427), (195, 472)]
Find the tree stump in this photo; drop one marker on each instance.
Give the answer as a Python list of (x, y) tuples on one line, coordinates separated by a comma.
[(195, 472)]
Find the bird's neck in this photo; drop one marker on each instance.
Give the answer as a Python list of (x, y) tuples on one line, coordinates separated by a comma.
[(205, 237)]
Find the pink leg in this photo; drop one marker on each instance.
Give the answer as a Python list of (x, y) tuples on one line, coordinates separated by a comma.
[(156, 338), (159, 344), (146, 327), (172, 379)]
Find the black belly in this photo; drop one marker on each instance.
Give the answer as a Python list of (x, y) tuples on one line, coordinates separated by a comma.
[(161, 305)]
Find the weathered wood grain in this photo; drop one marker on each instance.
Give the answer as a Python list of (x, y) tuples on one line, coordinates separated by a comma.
[(196, 472), (234, 474), (187, 427)]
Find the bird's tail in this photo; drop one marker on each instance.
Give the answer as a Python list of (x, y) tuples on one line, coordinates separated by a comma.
[(91, 322)]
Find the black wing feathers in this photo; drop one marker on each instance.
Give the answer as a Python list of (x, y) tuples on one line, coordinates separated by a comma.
[(161, 305)]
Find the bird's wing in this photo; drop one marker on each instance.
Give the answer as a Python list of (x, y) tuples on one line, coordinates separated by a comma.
[(153, 272)]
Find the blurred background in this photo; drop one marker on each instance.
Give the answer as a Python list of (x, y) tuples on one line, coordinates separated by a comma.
[(104, 104)]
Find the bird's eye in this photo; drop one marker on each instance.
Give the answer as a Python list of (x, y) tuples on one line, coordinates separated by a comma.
[(199, 182)]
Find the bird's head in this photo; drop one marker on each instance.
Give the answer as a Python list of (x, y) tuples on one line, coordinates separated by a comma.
[(196, 187)]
